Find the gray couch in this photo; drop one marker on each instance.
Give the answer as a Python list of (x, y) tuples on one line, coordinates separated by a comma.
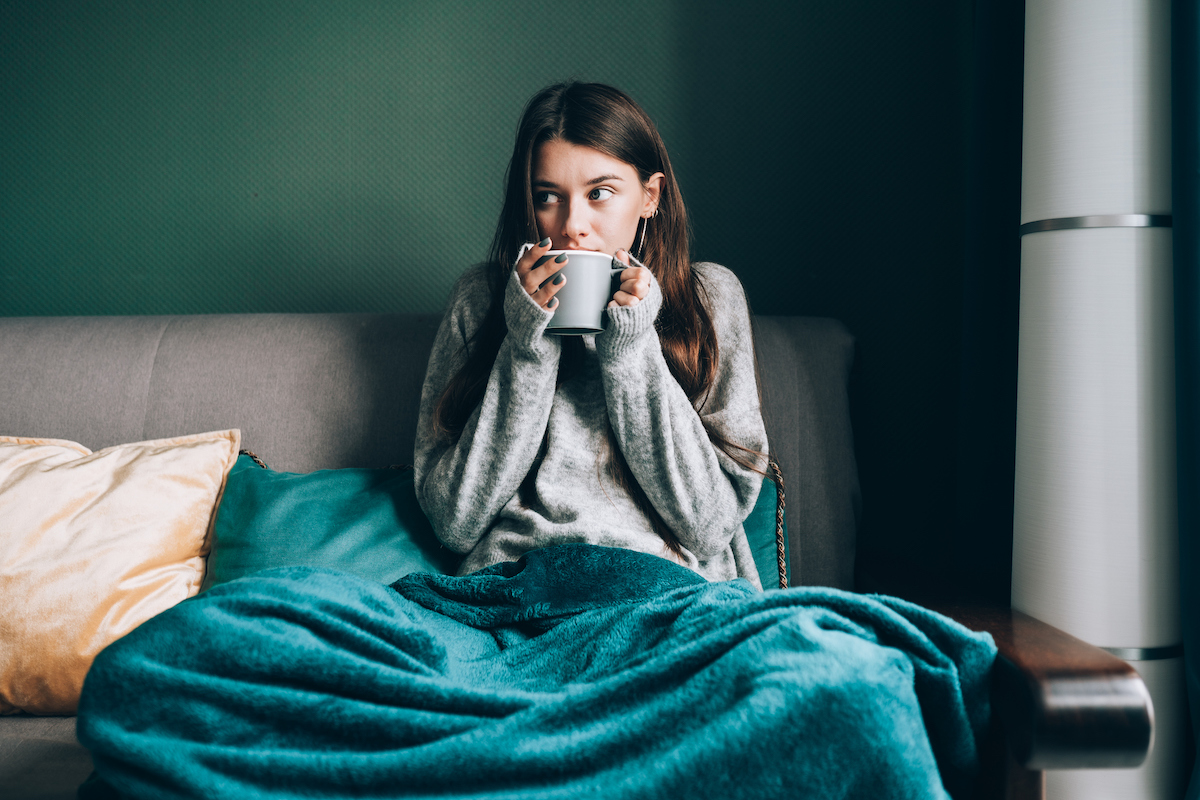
[(331, 390)]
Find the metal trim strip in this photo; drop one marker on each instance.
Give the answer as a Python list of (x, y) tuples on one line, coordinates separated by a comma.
[(1146, 653), (1097, 221)]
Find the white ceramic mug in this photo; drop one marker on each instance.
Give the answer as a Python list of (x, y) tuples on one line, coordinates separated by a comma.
[(592, 280)]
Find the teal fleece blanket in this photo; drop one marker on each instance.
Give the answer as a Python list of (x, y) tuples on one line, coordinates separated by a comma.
[(578, 671)]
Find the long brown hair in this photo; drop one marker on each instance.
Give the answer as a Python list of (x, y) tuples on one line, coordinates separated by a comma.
[(605, 119)]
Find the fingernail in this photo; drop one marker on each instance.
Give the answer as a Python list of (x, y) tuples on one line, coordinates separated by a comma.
[(559, 278), (544, 242), (553, 303), (561, 258), (540, 261)]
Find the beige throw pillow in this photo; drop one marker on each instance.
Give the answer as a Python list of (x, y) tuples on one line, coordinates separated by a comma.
[(91, 546)]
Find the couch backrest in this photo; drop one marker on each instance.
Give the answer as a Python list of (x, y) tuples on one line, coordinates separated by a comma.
[(323, 391)]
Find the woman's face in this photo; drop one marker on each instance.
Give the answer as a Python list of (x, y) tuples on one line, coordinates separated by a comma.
[(586, 200)]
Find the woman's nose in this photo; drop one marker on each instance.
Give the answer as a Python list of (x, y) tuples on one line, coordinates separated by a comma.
[(576, 226)]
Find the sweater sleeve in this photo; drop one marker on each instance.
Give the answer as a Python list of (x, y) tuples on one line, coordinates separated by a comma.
[(702, 495), (462, 485)]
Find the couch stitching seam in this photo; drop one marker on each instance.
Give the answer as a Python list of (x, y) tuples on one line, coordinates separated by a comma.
[(150, 378)]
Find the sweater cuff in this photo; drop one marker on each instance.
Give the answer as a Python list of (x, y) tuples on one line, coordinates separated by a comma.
[(628, 325), (525, 319)]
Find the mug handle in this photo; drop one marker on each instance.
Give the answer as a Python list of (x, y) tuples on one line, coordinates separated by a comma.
[(614, 279)]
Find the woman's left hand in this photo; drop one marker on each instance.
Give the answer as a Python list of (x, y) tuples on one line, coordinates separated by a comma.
[(635, 283)]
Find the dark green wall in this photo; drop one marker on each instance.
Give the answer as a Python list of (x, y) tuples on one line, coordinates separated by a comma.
[(195, 157), (236, 156)]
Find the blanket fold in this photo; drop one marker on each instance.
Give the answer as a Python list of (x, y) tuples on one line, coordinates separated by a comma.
[(542, 590), (578, 671)]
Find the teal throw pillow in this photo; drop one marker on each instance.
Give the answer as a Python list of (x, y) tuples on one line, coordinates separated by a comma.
[(367, 522), (760, 532), (363, 521)]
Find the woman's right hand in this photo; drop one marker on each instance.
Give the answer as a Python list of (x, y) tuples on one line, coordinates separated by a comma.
[(536, 271)]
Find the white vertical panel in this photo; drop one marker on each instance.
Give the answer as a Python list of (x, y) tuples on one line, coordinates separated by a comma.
[(1097, 111), (1094, 529), (1095, 547)]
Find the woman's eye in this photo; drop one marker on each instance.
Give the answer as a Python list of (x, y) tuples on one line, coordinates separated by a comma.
[(595, 194), (545, 198)]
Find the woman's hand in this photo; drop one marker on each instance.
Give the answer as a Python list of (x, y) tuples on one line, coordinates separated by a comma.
[(635, 283), (536, 271)]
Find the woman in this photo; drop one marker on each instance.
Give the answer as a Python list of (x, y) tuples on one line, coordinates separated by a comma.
[(648, 436)]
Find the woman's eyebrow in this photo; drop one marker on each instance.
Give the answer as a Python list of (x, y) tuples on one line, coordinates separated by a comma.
[(592, 182)]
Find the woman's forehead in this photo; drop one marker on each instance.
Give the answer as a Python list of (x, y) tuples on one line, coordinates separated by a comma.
[(560, 162)]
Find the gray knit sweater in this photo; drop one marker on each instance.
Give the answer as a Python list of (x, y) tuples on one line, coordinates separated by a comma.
[(491, 497)]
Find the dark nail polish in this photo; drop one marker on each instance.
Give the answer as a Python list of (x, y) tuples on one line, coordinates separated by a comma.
[(544, 242), (540, 261), (561, 258), (553, 303), (559, 278)]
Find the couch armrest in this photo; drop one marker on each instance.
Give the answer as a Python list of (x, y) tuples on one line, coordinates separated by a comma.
[(1064, 703)]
